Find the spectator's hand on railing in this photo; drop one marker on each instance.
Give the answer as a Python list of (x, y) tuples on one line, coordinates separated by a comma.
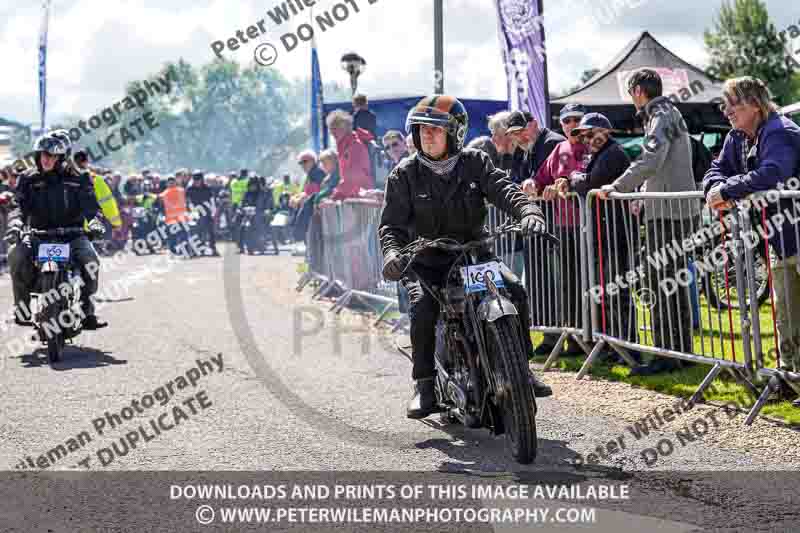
[(605, 190), (529, 187), (715, 201), (559, 188)]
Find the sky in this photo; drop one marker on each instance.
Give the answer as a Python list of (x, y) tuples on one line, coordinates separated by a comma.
[(97, 47)]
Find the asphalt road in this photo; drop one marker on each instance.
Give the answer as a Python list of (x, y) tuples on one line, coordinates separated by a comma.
[(265, 380)]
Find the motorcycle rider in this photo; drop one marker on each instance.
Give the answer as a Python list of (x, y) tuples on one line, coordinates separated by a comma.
[(148, 201), (54, 195), (258, 198), (200, 196), (147, 198), (440, 192)]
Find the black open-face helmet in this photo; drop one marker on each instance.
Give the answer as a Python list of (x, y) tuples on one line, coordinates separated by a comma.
[(443, 111), (53, 143)]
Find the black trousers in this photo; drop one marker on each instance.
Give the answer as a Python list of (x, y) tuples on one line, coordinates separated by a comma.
[(423, 313), (671, 313), (620, 234), (206, 232)]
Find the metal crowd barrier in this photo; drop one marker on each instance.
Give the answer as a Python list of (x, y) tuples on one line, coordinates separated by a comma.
[(363, 261), (556, 276), (647, 254), (771, 233), (325, 252), (3, 243), (505, 245), (316, 270), (343, 253), (652, 273)]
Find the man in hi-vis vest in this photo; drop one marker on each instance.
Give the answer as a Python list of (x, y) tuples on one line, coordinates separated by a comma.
[(176, 216), (103, 193)]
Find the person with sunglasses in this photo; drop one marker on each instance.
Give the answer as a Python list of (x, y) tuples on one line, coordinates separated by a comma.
[(605, 162), (395, 145), (314, 175), (762, 152)]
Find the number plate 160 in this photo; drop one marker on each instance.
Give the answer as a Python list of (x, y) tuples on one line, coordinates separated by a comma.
[(473, 276)]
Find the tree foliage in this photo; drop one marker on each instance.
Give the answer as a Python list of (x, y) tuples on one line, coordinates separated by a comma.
[(217, 117), (744, 42)]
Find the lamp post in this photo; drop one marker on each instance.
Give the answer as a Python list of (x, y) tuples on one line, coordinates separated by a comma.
[(438, 46), (353, 64)]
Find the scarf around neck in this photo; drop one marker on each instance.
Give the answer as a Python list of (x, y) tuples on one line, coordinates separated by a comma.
[(442, 166)]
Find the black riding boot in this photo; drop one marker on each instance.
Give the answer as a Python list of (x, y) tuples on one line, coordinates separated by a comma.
[(423, 403)]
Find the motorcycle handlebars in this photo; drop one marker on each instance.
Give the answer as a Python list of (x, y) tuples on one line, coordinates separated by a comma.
[(451, 245), (59, 232)]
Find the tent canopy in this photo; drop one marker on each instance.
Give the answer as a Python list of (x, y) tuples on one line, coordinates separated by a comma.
[(392, 112), (695, 93)]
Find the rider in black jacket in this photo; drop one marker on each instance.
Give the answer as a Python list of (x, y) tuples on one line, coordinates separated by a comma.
[(201, 196), (440, 192), (53, 195)]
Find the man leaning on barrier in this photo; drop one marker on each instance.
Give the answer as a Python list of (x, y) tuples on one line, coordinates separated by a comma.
[(441, 191), (533, 145), (762, 152), (665, 165), (500, 149), (568, 156)]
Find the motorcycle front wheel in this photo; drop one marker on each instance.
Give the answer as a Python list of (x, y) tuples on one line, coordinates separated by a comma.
[(51, 281), (515, 394)]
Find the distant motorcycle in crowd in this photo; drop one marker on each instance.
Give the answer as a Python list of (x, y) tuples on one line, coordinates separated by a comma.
[(254, 231), (144, 224), (281, 224)]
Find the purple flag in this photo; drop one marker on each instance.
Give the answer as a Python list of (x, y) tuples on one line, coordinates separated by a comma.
[(521, 34)]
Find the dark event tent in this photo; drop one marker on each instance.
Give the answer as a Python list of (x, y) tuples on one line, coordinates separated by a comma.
[(695, 93)]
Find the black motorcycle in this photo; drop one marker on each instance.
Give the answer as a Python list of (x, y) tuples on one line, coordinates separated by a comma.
[(144, 224), (482, 365), (281, 223), (55, 301), (254, 230)]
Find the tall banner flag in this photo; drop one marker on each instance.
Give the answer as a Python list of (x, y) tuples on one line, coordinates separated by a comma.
[(521, 33), (43, 63), (318, 134)]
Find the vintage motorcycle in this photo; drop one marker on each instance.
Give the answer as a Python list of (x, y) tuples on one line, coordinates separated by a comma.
[(144, 224), (482, 365), (55, 301)]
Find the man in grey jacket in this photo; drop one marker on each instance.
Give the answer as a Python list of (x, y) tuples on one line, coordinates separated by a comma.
[(664, 166)]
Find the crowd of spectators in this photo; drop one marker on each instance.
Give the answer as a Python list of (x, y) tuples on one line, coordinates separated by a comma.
[(762, 152)]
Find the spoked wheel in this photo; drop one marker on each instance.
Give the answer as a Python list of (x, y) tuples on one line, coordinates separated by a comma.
[(515, 394), (715, 283), (51, 281)]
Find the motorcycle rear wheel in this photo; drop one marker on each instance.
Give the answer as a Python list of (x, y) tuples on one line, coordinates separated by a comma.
[(517, 404)]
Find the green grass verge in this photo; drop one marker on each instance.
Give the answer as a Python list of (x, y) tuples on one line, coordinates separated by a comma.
[(683, 383)]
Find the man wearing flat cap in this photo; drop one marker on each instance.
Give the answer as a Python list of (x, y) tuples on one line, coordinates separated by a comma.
[(534, 145)]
